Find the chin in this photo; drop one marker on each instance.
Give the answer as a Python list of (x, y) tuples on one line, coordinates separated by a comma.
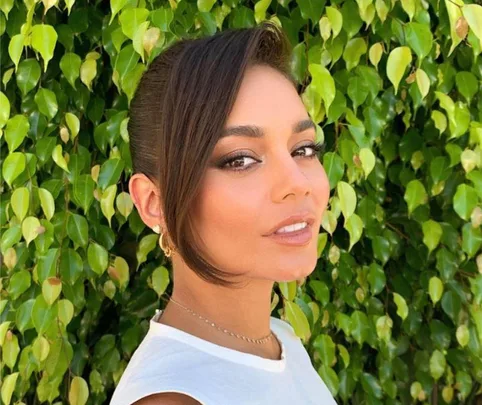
[(296, 272)]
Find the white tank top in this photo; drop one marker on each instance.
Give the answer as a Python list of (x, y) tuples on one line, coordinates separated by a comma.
[(171, 360)]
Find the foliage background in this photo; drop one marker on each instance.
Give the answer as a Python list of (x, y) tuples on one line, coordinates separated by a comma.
[(392, 313)]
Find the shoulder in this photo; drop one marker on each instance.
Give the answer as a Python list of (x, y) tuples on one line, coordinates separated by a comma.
[(167, 398)]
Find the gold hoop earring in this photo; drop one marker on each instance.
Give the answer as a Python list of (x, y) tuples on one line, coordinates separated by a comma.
[(167, 250)]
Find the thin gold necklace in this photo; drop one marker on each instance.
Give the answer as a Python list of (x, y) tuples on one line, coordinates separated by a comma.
[(259, 341)]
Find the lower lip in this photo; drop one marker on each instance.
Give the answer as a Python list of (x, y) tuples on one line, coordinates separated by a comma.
[(297, 238)]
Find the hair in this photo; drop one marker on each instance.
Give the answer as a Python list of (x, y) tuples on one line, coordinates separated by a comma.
[(178, 113)]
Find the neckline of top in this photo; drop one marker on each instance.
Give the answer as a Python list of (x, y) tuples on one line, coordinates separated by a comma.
[(224, 352)]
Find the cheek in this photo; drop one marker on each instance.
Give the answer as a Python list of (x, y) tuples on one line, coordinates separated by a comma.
[(227, 210)]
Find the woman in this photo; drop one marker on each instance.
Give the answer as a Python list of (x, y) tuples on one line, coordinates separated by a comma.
[(227, 170)]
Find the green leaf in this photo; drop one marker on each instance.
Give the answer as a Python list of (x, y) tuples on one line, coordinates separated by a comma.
[(402, 308), (336, 20), (79, 391), (78, 229), (357, 91), (334, 167), (381, 248), (146, 245), (437, 364), (65, 311), (419, 38), (432, 233), (13, 165), (97, 257), (376, 278), (70, 66), (384, 326), (451, 305), (321, 290), (435, 289), (351, 18), (23, 316), (115, 7), (409, 7), (465, 200), (88, 71), (4, 109), (415, 195), (440, 120), (323, 83), (297, 319), (330, 378), (42, 314), (8, 386), (311, 9), (20, 202), (359, 327), (130, 20), (467, 85), (110, 173), (423, 82), (27, 75), (473, 15), (160, 280), (47, 202), (348, 199), (44, 39), (397, 63), (354, 226), (288, 289), (15, 48), (126, 61), (47, 102), (107, 202), (16, 131), (471, 239), (73, 123), (19, 283), (354, 49), (326, 349), (375, 53), (368, 160), (371, 385)]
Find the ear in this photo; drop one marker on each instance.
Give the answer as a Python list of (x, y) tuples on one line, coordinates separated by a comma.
[(146, 197)]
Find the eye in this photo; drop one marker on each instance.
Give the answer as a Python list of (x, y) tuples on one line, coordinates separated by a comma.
[(315, 147), (237, 162)]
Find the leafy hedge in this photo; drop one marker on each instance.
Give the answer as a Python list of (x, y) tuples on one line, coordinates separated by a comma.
[(393, 312)]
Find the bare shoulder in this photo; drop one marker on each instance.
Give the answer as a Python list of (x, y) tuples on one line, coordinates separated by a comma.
[(167, 398)]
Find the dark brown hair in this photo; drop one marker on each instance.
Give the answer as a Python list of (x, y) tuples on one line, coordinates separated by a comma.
[(178, 113)]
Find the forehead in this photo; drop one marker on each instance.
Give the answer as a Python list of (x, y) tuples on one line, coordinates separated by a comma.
[(266, 99)]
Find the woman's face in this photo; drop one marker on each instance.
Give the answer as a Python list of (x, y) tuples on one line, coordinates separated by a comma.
[(274, 179)]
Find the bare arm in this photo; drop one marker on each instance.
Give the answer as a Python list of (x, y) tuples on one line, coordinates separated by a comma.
[(167, 398)]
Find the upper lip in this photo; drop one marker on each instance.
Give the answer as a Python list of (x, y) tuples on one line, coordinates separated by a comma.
[(307, 217)]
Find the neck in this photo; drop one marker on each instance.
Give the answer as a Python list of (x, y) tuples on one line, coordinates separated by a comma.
[(245, 310)]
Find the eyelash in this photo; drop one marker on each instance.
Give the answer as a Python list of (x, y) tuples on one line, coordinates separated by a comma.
[(317, 147)]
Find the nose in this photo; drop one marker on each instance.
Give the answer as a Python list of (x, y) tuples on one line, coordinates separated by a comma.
[(288, 178)]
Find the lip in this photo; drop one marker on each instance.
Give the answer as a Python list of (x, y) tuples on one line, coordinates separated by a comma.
[(301, 237), (307, 217)]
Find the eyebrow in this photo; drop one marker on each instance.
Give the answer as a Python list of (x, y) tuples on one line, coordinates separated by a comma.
[(254, 131)]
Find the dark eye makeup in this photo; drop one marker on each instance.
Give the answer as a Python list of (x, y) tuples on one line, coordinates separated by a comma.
[(225, 162)]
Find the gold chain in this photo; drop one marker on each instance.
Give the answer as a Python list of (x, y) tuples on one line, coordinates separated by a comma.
[(262, 340)]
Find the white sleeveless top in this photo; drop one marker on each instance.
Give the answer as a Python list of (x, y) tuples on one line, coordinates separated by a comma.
[(171, 360)]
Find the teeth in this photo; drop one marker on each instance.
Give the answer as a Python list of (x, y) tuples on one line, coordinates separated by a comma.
[(292, 228)]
